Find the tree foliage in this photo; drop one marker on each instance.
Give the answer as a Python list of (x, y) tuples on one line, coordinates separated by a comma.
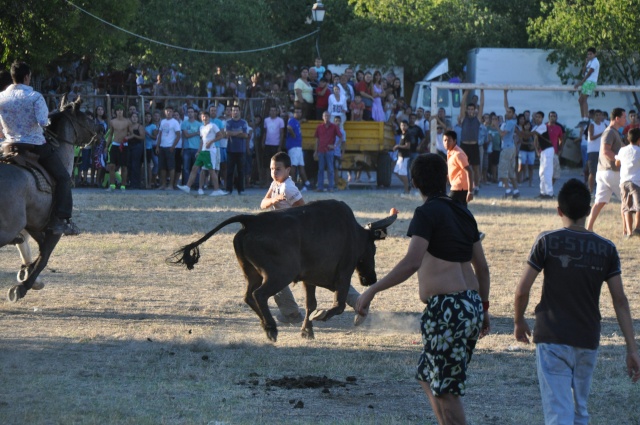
[(572, 26)]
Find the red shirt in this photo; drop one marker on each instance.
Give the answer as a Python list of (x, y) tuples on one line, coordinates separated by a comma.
[(363, 87), (322, 102), (555, 134), (629, 127), (326, 134)]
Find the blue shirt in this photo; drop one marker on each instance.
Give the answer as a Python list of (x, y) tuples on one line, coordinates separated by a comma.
[(294, 142), (191, 127), (23, 114), (237, 144), (149, 143), (507, 139)]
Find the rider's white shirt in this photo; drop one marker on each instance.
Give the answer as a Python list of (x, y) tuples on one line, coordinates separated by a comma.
[(23, 114)]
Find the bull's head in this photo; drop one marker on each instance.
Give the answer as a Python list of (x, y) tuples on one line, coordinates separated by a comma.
[(366, 266)]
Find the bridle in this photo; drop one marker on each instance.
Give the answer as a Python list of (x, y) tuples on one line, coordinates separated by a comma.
[(75, 125)]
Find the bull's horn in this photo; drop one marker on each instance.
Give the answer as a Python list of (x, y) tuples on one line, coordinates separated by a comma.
[(63, 102), (382, 224), (76, 104)]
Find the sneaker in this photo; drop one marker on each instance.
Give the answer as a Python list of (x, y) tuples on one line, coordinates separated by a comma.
[(304, 189), (111, 188), (543, 196), (476, 190), (507, 194), (123, 188), (240, 193), (200, 192), (516, 195), (185, 189), (217, 193), (290, 318)]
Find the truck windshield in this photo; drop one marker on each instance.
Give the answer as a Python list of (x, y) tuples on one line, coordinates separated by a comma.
[(445, 98)]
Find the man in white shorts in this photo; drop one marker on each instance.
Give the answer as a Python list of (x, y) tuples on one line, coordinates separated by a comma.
[(608, 174), (294, 148), (207, 157)]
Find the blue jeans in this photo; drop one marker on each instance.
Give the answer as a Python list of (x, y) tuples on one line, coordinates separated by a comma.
[(565, 373), (188, 159), (325, 160)]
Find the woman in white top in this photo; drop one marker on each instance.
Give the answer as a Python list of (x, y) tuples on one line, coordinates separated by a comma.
[(338, 105), (304, 93)]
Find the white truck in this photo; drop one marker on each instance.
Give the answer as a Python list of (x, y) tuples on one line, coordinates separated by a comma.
[(515, 67)]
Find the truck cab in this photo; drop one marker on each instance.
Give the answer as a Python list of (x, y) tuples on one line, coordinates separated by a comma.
[(449, 99)]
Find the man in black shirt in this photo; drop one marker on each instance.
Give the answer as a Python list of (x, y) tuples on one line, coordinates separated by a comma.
[(453, 281)]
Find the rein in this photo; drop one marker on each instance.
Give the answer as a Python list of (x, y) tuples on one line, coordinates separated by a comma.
[(74, 125)]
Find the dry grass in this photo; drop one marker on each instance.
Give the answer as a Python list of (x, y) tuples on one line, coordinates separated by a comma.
[(118, 336)]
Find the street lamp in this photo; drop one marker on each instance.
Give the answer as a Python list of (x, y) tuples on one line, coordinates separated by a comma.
[(317, 12)]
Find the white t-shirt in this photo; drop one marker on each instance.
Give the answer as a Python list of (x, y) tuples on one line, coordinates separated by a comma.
[(207, 133), (629, 157), (272, 127), (168, 129), (338, 107), (594, 145), (291, 193), (595, 65)]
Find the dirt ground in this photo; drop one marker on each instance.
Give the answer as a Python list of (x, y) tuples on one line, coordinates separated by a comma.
[(119, 337)]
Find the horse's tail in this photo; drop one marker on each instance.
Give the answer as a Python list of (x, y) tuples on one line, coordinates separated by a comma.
[(190, 254)]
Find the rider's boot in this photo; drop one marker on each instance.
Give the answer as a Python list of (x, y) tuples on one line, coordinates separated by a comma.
[(59, 226)]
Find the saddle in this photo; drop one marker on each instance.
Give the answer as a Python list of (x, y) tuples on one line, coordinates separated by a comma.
[(20, 155)]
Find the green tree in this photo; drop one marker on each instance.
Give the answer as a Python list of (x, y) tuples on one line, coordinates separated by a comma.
[(571, 26), (42, 31)]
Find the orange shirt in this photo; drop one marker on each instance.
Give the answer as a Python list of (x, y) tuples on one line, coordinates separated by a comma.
[(456, 163)]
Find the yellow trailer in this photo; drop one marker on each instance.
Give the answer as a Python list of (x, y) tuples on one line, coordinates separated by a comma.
[(368, 146)]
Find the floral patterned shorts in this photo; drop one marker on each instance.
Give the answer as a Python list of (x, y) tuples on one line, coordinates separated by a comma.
[(450, 327)]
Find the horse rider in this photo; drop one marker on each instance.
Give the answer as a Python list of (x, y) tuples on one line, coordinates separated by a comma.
[(23, 116)]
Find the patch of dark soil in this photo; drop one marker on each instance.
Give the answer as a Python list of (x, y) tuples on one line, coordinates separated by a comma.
[(308, 381)]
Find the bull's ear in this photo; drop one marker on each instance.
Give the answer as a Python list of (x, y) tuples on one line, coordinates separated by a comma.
[(379, 228)]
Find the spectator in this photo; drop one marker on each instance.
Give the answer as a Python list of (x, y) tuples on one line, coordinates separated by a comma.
[(628, 159), (151, 134), (544, 148), (168, 138), (118, 148), (338, 106), (325, 136), (590, 70), (178, 152), (322, 98), (556, 136), (362, 87), (338, 147), (594, 133), (304, 94), (320, 70), (494, 146), (237, 130), (273, 135), (459, 171), (403, 149), (527, 153), (608, 174), (633, 122), (294, 149), (377, 92), (397, 88), (507, 162), (135, 139), (470, 134), (357, 108), (190, 141)]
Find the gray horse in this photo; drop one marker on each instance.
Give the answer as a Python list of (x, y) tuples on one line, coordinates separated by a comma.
[(27, 209)]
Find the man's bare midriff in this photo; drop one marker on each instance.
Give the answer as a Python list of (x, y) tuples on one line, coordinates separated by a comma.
[(120, 128), (438, 277)]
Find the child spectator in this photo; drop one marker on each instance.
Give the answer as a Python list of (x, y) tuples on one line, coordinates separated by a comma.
[(494, 145), (567, 326), (293, 144), (206, 157), (357, 108), (389, 106), (322, 98), (628, 159)]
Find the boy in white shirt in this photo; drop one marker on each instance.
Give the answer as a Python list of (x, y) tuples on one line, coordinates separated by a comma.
[(628, 159)]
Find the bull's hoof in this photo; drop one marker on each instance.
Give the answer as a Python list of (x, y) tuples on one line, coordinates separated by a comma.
[(319, 315), (307, 334), (272, 334), (16, 292)]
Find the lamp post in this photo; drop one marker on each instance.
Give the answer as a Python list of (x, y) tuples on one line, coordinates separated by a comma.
[(317, 13)]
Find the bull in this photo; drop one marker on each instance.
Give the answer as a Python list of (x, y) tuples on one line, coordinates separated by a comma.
[(319, 244)]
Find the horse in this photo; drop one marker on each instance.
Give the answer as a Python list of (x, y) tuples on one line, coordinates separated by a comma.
[(26, 209)]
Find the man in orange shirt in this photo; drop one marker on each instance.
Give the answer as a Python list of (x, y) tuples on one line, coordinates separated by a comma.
[(458, 169)]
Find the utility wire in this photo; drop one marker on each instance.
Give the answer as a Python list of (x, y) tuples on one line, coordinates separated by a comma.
[(209, 52)]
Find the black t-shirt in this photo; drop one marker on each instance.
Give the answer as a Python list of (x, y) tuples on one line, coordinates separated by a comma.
[(575, 265), (415, 135), (403, 152), (449, 227)]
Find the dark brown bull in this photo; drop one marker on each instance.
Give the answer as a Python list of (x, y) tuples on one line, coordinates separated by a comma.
[(320, 244)]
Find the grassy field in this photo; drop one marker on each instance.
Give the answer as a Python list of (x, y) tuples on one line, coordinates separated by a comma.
[(119, 337)]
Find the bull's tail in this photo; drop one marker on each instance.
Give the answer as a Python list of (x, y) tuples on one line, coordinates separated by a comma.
[(190, 254)]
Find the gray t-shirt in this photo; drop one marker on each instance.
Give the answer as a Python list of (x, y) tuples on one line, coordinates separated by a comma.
[(610, 137)]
